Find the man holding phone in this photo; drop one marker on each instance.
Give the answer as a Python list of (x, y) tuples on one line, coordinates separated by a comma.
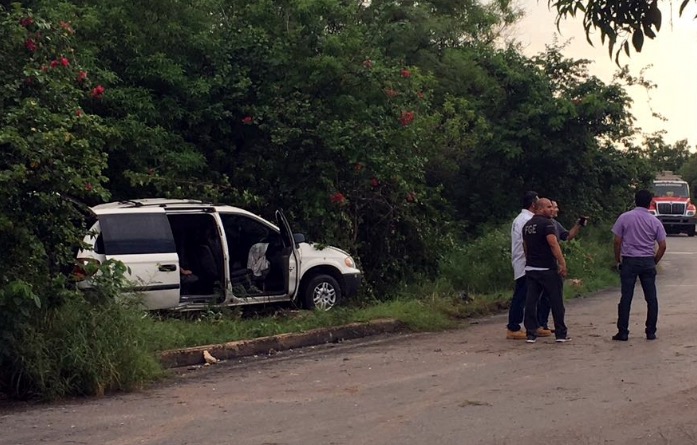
[(543, 309)]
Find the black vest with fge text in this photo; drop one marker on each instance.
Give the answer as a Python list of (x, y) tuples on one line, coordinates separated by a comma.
[(538, 253)]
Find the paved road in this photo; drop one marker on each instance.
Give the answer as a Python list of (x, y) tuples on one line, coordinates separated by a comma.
[(469, 386)]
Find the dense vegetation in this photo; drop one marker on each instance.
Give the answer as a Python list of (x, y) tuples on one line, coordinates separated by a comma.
[(395, 129)]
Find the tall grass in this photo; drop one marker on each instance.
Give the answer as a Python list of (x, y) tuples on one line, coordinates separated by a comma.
[(82, 346)]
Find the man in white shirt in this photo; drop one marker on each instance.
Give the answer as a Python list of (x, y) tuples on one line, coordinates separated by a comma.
[(517, 309)]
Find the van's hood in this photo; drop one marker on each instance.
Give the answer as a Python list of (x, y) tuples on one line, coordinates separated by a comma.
[(327, 251)]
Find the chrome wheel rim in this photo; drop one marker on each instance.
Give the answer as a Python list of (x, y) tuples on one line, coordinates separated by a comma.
[(324, 296)]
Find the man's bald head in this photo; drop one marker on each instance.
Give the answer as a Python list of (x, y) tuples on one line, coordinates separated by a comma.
[(544, 207)]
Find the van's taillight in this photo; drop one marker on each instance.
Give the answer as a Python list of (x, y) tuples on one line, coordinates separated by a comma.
[(84, 268)]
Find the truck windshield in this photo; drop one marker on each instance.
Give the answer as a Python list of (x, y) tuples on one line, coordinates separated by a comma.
[(678, 190)]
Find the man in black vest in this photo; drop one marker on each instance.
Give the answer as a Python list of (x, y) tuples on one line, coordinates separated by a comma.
[(545, 269)]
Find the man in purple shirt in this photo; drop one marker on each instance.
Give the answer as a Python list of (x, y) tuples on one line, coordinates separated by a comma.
[(636, 234)]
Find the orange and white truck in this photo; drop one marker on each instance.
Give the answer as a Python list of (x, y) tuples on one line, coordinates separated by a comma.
[(672, 204)]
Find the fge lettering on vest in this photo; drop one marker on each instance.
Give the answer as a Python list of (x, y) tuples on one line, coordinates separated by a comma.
[(531, 229)]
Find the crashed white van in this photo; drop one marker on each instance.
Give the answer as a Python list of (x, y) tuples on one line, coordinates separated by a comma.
[(189, 255)]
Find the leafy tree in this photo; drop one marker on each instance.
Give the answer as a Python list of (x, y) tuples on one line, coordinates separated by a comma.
[(51, 154)]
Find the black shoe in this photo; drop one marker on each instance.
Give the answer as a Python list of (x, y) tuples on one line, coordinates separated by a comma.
[(651, 336), (621, 337)]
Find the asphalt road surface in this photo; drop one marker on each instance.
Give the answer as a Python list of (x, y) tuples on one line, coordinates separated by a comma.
[(467, 386)]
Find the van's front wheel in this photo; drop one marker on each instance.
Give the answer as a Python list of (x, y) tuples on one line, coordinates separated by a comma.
[(322, 292)]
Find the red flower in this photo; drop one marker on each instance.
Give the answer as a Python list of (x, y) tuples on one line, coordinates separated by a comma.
[(82, 76), (367, 63), (247, 120), (79, 113), (30, 45), (406, 118), (26, 22), (65, 61), (98, 92), (89, 187), (66, 27), (337, 198), (391, 93), (54, 63), (374, 182), (405, 73)]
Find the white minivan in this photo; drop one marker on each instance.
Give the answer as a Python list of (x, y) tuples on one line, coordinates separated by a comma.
[(189, 255)]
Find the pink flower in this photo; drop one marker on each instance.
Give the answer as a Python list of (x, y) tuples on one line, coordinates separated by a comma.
[(98, 92), (367, 63), (82, 76), (30, 45), (26, 22), (247, 120), (337, 198), (89, 187), (405, 73), (54, 63), (65, 61), (420, 95), (374, 182), (391, 93), (411, 197), (406, 118), (79, 113)]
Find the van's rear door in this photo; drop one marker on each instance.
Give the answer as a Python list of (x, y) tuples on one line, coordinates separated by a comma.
[(142, 239)]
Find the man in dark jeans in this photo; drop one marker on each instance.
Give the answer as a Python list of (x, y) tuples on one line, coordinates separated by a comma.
[(544, 308), (636, 234), (545, 269), (517, 308)]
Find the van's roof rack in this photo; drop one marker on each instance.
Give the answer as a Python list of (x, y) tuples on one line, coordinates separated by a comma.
[(161, 202)]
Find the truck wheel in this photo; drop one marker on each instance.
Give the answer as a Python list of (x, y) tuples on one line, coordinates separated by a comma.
[(691, 231), (322, 292)]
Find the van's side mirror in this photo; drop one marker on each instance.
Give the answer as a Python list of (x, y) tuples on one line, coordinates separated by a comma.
[(298, 238)]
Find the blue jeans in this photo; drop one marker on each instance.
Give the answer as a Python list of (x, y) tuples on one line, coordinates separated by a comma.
[(517, 308), (645, 269)]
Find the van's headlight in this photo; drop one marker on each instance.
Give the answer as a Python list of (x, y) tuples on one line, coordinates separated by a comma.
[(690, 213), (349, 262)]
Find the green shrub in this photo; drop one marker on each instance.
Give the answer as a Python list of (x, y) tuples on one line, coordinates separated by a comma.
[(483, 265), (84, 346)]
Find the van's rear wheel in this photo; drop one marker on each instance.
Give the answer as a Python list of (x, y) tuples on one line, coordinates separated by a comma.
[(322, 292)]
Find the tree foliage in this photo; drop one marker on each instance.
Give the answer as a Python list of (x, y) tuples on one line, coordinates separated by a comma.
[(623, 25)]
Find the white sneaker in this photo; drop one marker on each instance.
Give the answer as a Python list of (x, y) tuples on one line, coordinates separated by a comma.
[(563, 340)]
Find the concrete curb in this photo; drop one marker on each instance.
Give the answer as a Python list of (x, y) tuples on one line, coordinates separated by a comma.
[(282, 342)]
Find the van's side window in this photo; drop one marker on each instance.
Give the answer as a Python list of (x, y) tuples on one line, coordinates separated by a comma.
[(136, 233)]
